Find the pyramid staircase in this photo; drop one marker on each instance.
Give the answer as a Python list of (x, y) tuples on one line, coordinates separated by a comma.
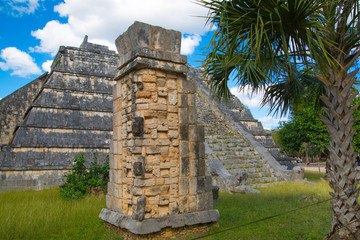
[(235, 152), (232, 143)]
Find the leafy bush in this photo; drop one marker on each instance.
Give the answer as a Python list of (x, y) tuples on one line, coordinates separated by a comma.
[(81, 180)]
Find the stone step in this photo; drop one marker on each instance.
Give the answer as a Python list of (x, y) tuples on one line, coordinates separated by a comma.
[(243, 164), (222, 139), (262, 180)]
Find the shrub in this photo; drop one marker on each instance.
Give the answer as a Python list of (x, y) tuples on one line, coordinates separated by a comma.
[(81, 180)]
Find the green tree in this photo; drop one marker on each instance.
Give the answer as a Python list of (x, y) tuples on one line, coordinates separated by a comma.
[(262, 42), (304, 127)]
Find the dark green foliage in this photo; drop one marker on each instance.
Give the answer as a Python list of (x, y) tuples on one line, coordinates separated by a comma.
[(81, 180), (304, 127)]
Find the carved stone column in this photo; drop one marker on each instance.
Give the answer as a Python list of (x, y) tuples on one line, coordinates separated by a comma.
[(157, 165)]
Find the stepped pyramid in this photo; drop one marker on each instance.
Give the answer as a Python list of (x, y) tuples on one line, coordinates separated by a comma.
[(238, 142), (66, 112), (47, 122)]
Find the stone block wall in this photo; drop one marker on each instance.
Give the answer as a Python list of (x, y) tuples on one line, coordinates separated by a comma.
[(158, 146), (14, 107), (157, 165)]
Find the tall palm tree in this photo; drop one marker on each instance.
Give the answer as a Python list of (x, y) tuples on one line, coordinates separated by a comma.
[(262, 42)]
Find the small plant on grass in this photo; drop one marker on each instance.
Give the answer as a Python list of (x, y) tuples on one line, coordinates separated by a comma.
[(81, 180)]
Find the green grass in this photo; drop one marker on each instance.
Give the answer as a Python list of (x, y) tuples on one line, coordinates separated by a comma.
[(44, 215)]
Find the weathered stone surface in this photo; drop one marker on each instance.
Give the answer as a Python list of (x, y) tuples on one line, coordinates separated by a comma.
[(69, 119), (69, 111), (215, 192), (139, 213), (138, 127), (156, 224), (184, 166), (14, 107), (165, 180), (60, 99), (139, 169), (144, 37), (61, 138)]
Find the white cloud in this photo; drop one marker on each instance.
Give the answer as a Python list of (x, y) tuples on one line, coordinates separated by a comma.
[(53, 35), (20, 63), (269, 122), (46, 66), (103, 21), (189, 43), (20, 7), (247, 97)]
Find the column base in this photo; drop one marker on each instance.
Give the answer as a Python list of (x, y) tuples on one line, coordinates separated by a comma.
[(153, 225)]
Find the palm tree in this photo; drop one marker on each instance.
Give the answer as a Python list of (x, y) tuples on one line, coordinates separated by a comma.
[(265, 42)]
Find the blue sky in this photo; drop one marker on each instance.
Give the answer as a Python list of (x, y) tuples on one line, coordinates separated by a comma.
[(32, 31)]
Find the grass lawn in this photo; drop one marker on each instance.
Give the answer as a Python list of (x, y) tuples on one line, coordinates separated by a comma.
[(44, 215)]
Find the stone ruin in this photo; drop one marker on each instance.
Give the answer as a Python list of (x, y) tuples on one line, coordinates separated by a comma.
[(157, 171), (46, 123)]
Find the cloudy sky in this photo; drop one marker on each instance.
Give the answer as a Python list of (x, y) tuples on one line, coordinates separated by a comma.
[(31, 32)]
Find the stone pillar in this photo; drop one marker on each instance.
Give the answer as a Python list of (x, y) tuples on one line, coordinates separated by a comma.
[(157, 165)]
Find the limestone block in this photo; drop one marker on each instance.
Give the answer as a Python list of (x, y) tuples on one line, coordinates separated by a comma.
[(174, 191), (183, 204), (191, 100), (201, 167), (139, 213), (135, 150), (144, 183), (162, 92), (184, 148), (174, 209), (165, 165), (153, 150), (194, 165), (173, 134), (192, 115), (171, 84), (184, 166), (149, 78), (183, 100), (183, 115), (196, 133), (153, 160), (174, 171), (140, 35), (164, 189), (173, 98), (184, 131), (171, 181), (161, 81), (163, 142), (183, 186), (164, 200), (164, 150), (201, 187), (139, 169), (194, 150), (163, 125), (143, 94), (193, 186), (152, 191), (158, 106)]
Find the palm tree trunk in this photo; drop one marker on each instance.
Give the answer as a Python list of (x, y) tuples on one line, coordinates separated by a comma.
[(341, 172)]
